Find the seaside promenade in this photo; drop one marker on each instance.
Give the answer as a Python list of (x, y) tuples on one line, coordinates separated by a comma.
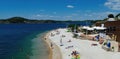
[(62, 44)]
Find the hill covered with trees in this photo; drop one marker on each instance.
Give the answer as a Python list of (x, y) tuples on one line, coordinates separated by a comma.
[(24, 20), (18, 20)]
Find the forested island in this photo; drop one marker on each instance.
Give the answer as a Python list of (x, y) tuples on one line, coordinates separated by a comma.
[(18, 20)]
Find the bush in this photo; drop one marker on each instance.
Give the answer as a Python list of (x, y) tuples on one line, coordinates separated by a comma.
[(72, 27), (75, 36)]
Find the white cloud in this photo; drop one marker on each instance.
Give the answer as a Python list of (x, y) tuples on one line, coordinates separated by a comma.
[(113, 4), (97, 15), (38, 15), (70, 6), (83, 15), (45, 16)]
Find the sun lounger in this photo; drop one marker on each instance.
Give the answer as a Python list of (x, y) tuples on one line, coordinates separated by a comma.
[(68, 47), (106, 48), (93, 44)]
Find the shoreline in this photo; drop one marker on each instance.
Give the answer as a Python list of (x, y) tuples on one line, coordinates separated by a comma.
[(54, 53), (47, 42)]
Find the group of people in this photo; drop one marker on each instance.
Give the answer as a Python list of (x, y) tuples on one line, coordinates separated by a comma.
[(57, 32), (75, 55)]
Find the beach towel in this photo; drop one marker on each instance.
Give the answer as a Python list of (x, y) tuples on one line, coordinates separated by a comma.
[(74, 57), (78, 57)]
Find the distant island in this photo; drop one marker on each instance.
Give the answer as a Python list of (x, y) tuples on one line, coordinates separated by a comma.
[(24, 20), (19, 20)]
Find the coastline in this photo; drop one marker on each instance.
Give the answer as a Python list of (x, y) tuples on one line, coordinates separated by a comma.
[(48, 45), (54, 53)]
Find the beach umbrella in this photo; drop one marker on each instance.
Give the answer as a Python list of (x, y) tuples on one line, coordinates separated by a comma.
[(85, 27), (99, 28), (94, 27), (90, 29)]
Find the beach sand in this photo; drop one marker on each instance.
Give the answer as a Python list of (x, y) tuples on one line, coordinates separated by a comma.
[(54, 51), (83, 47)]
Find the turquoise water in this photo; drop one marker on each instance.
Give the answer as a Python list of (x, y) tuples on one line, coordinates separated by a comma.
[(24, 41), (39, 51)]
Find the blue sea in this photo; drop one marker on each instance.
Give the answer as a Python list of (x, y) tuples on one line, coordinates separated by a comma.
[(24, 41)]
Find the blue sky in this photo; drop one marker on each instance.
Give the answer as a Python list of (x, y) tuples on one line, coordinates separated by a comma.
[(59, 9)]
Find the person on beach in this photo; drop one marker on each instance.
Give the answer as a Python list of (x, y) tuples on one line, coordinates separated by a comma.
[(61, 42), (75, 55), (97, 38), (51, 45), (72, 53), (45, 38), (69, 41), (52, 34)]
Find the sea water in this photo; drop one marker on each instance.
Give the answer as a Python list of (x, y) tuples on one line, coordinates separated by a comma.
[(24, 41)]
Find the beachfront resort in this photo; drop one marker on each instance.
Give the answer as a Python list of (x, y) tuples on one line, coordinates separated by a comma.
[(84, 42)]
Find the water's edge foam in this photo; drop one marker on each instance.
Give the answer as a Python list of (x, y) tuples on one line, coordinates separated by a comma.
[(39, 47)]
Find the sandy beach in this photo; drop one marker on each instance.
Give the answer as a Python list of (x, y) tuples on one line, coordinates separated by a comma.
[(54, 51), (83, 47)]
